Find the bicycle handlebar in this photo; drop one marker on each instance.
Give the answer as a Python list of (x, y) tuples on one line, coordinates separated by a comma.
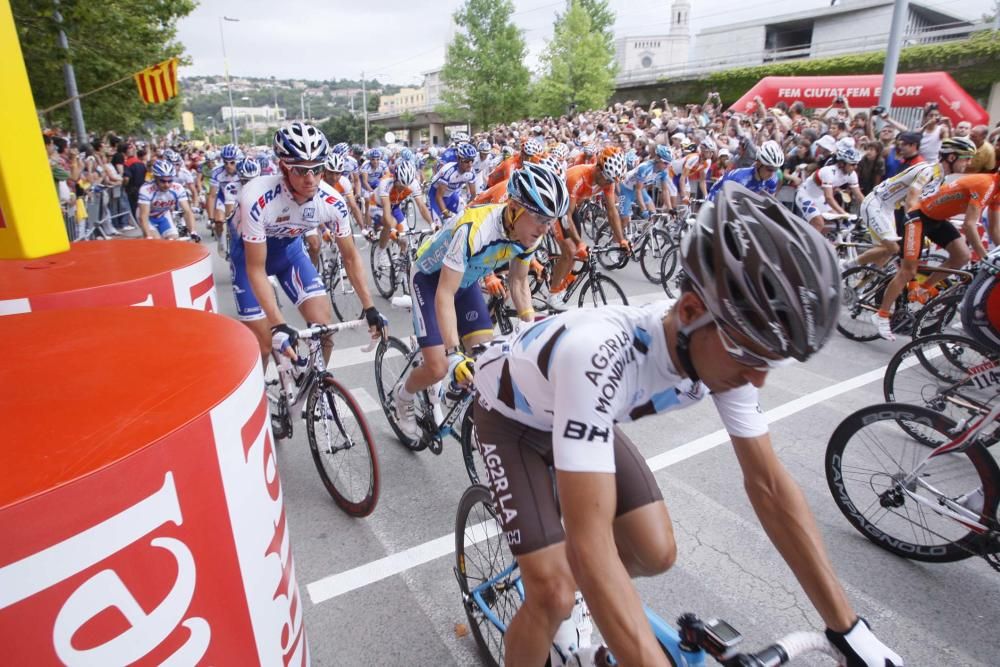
[(318, 330)]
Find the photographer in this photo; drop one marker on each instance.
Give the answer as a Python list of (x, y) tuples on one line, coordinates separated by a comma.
[(936, 128)]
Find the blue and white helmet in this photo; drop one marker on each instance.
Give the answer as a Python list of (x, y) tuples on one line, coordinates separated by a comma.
[(171, 155), (663, 153), (466, 151), (375, 154), (163, 169), (230, 152), (484, 146), (848, 155), (631, 159), (335, 163), (248, 168), (300, 142), (540, 190), (459, 137), (340, 148), (406, 155)]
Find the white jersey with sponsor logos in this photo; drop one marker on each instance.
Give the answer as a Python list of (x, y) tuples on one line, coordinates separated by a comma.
[(452, 179), (925, 176), (268, 211), (220, 176), (579, 373), (184, 176), (829, 176), (161, 202)]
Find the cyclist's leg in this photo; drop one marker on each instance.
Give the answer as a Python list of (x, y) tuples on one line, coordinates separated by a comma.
[(949, 238), (304, 287), (521, 484), (474, 324), (881, 225), (401, 228), (425, 325), (567, 247), (248, 310), (312, 241)]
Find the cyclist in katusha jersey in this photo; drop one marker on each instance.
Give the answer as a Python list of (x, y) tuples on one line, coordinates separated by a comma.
[(446, 186), (247, 169), (531, 151), (337, 175), (761, 177), (399, 184), (448, 304), (224, 173), (158, 199), (815, 196), (275, 212), (969, 195), (584, 182), (693, 168), (761, 290)]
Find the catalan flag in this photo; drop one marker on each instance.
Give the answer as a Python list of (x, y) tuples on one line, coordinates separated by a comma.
[(158, 83)]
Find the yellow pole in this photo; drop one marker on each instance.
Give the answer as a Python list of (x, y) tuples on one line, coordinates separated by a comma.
[(31, 222)]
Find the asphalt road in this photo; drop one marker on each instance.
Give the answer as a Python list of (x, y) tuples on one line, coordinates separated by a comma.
[(380, 590)]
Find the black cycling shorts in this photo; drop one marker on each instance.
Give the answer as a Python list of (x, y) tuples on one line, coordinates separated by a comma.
[(522, 481)]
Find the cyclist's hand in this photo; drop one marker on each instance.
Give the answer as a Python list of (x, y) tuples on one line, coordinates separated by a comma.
[(283, 339), (376, 322), (494, 285), (461, 367), (626, 245), (862, 648), (581, 250)]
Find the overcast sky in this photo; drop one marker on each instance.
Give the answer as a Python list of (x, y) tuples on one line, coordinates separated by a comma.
[(395, 40)]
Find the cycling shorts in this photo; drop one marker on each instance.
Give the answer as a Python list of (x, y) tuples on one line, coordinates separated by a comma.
[(627, 199), (471, 313), (879, 218), (810, 207), (519, 462), (451, 203), (941, 232), (287, 261), (164, 224), (397, 213)]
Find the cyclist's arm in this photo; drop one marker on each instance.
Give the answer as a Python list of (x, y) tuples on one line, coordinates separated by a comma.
[(856, 195), (355, 269), (611, 207), (147, 229), (386, 210), (188, 215), (444, 303), (520, 290), (703, 184), (425, 212), (439, 198), (352, 205), (256, 257), (786, 518), (213, 190), (970, 227), (683, 186), (588, 501), (831, 200), (993, 225)]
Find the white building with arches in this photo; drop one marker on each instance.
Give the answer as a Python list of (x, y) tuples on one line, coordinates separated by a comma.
[(651, 52)]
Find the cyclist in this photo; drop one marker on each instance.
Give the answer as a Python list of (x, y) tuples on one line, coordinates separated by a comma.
[(483, 164), (335, 170), (650, 173), (815, 196), (157, 198), (186, 178), (761, 177), (247, 169), (446, 186), (967, 194), (275, 211), (371, 173), (395, 187), (761, 290), (584, 182), (224, 173), (448, 302), (693, 167), (531, 151)]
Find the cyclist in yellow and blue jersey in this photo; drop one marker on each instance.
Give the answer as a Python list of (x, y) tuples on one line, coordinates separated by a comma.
[(449, 310)]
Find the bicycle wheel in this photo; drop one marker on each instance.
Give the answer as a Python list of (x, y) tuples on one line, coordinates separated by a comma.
[(342, 447), (936, 372), (345, 301), (474, 465), (613, 259), (598, 289), (937, 314), (384, 268), (486, 570), (862, 288), (869, 455), (652, 252), (391, 362), (671, 272)]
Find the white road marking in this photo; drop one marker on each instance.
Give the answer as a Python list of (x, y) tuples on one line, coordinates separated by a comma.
[(366, 401), (333, 585)]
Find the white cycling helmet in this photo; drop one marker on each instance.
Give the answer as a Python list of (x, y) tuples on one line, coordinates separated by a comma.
[(709, 143), (405, 173), (335, 163), (300, 142), (771, 155)]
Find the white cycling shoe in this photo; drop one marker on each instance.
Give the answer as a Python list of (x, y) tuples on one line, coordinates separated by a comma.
[(406, 417), (557, 302)]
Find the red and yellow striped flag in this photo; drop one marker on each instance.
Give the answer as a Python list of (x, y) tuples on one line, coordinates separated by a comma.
[(158, 83)]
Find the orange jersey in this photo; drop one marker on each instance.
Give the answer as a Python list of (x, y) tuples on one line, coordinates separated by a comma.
[(497, 194), (581, 181), (955, 195), (504, 170), (387, 187)]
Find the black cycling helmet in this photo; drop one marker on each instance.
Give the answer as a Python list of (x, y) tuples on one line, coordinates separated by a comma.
[(763, 272)]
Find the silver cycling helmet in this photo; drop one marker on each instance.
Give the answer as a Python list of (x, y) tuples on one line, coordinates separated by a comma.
[(771, 155), (763, 272)]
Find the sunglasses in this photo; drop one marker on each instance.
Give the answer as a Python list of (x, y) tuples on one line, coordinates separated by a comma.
[(303, 169), (230, 161), (745, 357), (164, 180)]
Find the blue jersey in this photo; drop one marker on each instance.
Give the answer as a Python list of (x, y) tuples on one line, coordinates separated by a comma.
[(449, 155), (747, 177)]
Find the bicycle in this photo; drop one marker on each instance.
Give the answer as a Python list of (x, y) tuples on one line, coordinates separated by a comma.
[(846, 235), (339, 439), (488, 578), (591, 281), (344, 299), (932, 498), (390, 267), (947, 373), (861, 298), (648, 240), (438, 408)]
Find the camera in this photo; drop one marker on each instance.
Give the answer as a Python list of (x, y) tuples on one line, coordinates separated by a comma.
[(933, 106), (839, 100), (878, 111)]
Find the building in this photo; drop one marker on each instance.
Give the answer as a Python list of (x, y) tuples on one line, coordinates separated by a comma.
[(406, 99), (636, 55), (263, 115), (853, 26), (433, 86)]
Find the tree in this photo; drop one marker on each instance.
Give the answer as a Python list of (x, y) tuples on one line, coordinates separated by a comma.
[(484, 74), (108, 41), (343, 126), (578, 66), (602, 20)]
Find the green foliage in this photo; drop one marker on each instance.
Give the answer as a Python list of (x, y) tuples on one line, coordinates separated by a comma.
[(108, 40), (973, 62), (579, 66), (343, 126), (484, 74), (602, 19)]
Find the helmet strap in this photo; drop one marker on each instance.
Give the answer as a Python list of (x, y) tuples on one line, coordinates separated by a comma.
[(684, 332)]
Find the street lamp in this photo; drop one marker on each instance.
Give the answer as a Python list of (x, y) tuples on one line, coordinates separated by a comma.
[(225, 64)]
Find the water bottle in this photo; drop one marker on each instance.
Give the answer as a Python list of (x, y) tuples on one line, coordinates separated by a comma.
[(287, 376)]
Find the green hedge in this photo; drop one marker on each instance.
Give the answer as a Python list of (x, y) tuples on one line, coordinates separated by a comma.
[(973, 62)]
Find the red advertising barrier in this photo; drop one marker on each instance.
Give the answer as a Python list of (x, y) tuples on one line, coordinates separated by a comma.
[(863, 90), (140, 504), (111, 273)]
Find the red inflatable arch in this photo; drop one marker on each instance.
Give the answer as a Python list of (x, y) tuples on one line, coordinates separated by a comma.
[(863, 90)]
